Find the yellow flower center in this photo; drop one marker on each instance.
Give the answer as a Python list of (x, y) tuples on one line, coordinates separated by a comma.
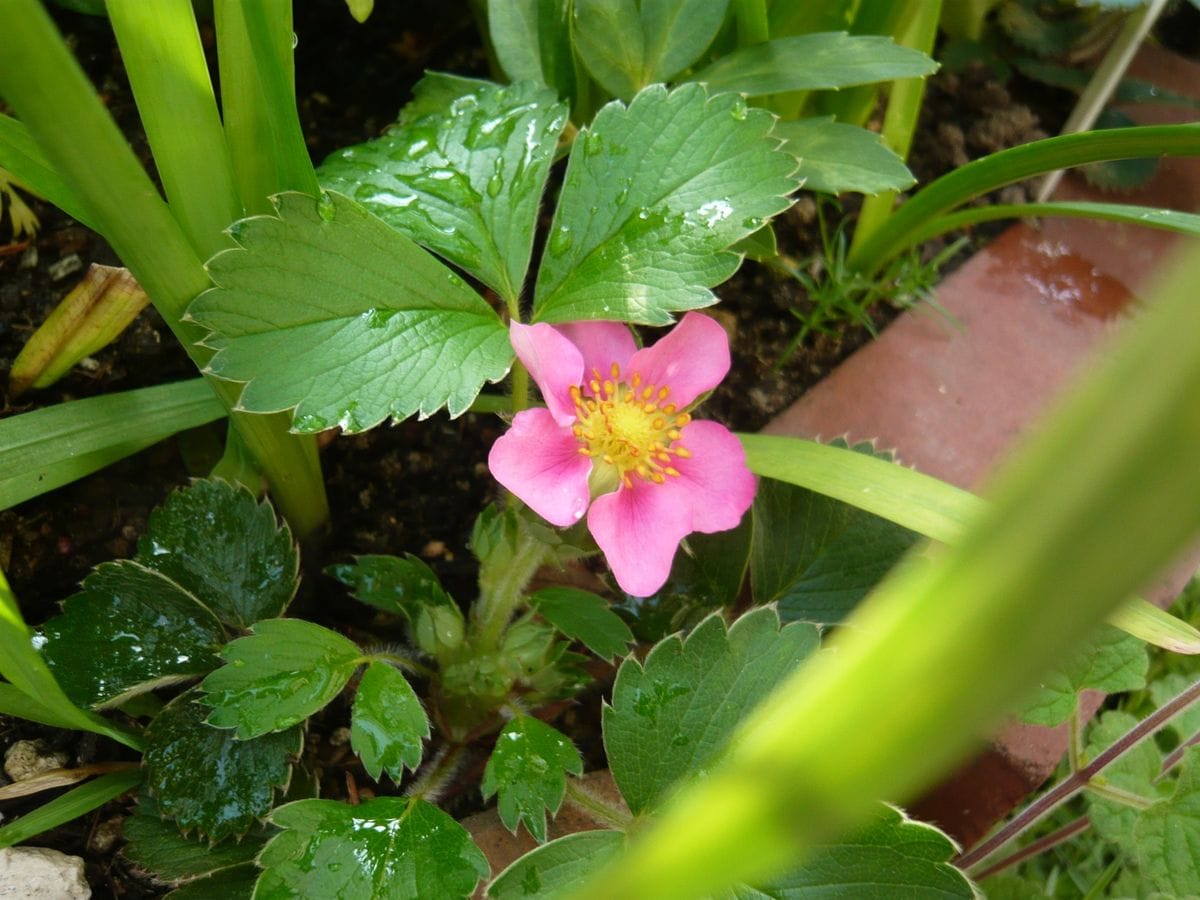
[(629, 429)]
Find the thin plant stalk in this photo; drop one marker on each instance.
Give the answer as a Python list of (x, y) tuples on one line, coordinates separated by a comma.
[(903, 110)]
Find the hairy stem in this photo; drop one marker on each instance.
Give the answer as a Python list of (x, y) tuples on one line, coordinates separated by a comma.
[(501, 584), (603, 812)]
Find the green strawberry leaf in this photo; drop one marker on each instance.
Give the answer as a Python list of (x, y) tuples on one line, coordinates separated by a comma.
[(1110, 661), (585, 617), (671, 714), (206, 779), (278, 676), (653, 195), (813, 62), (128, 631), (815, 556), (329, 311), (400, 586), (628, 45), (387, 723), (235, 883), (532, 39), (464, 181), (1167, 835), (156, 846), (892, 856), (1135, 771), (526, 768), (553, 869), (835, 157), (389, 848), (226, 548)]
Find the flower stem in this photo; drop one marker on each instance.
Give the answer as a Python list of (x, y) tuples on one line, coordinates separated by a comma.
[(1078, 780), (501, 583), (437, 774), (520, 387), (603, 812)]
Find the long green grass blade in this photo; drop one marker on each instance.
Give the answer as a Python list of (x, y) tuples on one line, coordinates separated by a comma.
[(53, 446), (20, 154), (925, 505), (1016, 164), (1097, 502), (160, 46), (26, 672), (71, 805), (1165, 219)]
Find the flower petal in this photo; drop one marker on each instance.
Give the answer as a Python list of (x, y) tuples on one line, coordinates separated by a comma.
[(554, 363), (691, 358), (639, 529), (539, 461), (602, 344), (714, 483)]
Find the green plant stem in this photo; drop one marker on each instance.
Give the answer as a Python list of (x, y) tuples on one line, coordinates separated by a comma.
[(1075, 752), (1078, 780), (919, 31), (1012, 165), (753, 25), (1133, 800), (520, 387), (56, 102), (404, 662), (160, 46), (501, 586), (437, 774), (601, 811)]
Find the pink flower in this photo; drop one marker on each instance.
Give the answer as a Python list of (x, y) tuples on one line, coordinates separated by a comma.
[(616, 433)]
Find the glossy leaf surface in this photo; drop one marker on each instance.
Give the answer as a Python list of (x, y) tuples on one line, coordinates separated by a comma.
[(389, 848), (387, 723), (278, 676), (397, 585), (527, 770), (586, 617), (464, 181), (155, 845), (208, 780), (671, 714), (327, 310), (130, 629), (653, 195), (217, 541)]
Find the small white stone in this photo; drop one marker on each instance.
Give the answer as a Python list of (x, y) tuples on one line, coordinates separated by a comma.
[(25, 759), (39, 873)]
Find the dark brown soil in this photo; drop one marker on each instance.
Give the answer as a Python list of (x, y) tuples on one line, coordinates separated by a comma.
[(414, 487)]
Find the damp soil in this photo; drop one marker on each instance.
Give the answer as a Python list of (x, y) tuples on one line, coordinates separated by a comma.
[(415, 486)]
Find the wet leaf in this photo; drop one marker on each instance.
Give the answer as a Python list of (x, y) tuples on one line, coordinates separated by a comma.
[(835, 157), (398, 585), (527, 770), (389, 848), (235, 883), (533, 42), (220, 543), (387, 723), (671, 714), (1110, 661), (156, 846), (327, 310), (585, 617), (815, 556), (1167, 835), (129, 630), (465, 180), (557, 867), (653, 195), (208, 780), (278, 676)]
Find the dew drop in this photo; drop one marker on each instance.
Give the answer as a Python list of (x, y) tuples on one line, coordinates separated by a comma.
[(739, 110), (561, 241), (592, 144), (495, 185), (326, 208)]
